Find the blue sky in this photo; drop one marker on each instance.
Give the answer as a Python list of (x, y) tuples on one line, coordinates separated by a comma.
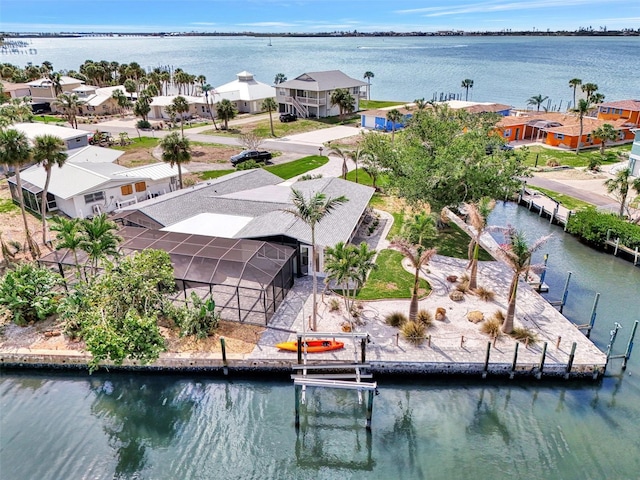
[(314, 15)]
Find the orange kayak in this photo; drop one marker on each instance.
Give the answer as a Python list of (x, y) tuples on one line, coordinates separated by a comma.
[(312, 346)]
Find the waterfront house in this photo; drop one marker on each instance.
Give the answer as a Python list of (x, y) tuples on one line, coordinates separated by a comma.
[(43, 90), (377, 119), (98, 101), (245, 92), (558, 129), (628, 110), (634, 156), (309, 94), (72, 137), (15, 90), (249, 204), (197, 106)]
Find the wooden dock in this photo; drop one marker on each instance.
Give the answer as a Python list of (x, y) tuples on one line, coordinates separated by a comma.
[(546, 207)]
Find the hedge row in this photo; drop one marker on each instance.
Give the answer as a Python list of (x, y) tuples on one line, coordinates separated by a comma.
[(592, 226)]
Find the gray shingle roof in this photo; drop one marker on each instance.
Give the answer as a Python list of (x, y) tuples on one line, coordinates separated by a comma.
[(264, 202), (322, 81)]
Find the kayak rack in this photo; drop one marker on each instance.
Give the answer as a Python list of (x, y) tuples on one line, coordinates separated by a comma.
[(345, 376)]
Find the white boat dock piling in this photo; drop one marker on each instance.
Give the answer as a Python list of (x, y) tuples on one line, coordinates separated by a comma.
[(625, 356)]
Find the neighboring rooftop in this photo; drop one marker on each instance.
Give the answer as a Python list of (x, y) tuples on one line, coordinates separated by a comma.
[(35, 129), (245, 88), (322, 81)]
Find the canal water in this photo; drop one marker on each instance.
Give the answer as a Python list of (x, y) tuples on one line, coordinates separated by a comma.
[(76, 426)]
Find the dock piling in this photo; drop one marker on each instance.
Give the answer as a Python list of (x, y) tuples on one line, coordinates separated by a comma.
[(566, 292), (612, 340), (570, 362), (296, 390), (363, 350), (627, 352), (542, 359), (223, 347), (592, 320), (515, 359), (370, 408), (486, 361), (299, 349)]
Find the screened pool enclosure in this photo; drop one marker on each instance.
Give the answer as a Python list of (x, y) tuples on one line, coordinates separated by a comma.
[(247, 279)]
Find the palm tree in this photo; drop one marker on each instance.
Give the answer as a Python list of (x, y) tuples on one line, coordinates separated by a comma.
[(394, 116), (356, 156), (343, 99), (619, 187), (16, 152), (589, 89), (176, 151), (206, 89), (280, 78), (48, 150), (311, 211), (343, 154), (348, 266), (70, 104), (421, 104), (270, 105), (99, 239), (368, 76), (574, 83), (419, 257), (581, 109), (122, 100), (537, 100), (517, 254), (596, 98), (606, 133), (477, 214), (68, 236), (130, 87), (467, 83), (226, 111), (180, 106)]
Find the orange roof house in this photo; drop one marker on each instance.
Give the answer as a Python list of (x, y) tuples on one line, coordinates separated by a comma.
[(559, 129), (628, 110)]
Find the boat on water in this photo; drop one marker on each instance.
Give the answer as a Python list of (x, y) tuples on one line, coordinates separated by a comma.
[(312, 346)]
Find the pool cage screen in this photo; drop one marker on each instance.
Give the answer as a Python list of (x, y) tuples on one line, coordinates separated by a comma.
[(248, 279)]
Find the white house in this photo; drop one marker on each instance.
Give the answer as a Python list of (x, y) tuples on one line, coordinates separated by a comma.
[(309, 95), (197, 106), (42, 90), (634, 156), (90, 183), (245, 92), (73, 138)]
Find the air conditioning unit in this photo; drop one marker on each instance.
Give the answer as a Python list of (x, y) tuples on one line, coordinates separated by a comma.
[(97, 210)]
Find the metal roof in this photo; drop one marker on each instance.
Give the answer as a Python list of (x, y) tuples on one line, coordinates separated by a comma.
[(32, 130), (322, 81), (156, 171)]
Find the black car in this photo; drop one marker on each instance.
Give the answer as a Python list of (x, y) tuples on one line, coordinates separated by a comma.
[(258, 156), (288, 117)]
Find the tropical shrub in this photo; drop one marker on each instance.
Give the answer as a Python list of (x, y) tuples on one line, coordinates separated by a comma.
[(200, 319), (424, 317), (485, 294), (116, 314), (143, 125), (248, 165), (30, 292), (334, 305), (525, 335), (395, 319), (414, 332), (592, 227), (493, 325)]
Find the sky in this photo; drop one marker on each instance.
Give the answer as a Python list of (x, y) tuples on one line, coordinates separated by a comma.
[(275, 16)]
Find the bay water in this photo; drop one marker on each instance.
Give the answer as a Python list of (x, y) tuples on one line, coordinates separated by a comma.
[(56, 425), (507, 70)]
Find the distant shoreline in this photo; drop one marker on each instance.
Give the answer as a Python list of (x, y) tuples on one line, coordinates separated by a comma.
[(453, 33)]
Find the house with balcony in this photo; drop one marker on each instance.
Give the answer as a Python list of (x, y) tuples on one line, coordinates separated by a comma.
[(43, 90), (309, 95), (628, 110)]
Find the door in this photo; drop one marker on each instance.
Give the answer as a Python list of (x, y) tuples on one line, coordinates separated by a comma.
[(305, 255)]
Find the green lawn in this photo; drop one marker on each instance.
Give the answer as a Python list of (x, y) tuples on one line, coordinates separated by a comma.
[(454, 242), (390, 280), (570, 158), (373, 104), (569, 202), (285, 170), (48, 119), (263, 129), (142, 142), (365, 179), (7, 206)]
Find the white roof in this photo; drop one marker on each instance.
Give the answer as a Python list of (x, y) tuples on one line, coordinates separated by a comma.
[(73, 179), (211, 224), (64, 80), (165, 100), (92, 154), (97, 100), (157, 171), (85, 88), (35, 129), (109, 90), (247, 88)]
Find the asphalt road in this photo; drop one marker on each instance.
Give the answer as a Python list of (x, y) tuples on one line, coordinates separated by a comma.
[(600, 201)]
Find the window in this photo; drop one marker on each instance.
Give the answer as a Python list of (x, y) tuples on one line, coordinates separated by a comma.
[(94, 197), (560, 136), (141, 186), (507, 133), (126, 189), (589, 140)]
